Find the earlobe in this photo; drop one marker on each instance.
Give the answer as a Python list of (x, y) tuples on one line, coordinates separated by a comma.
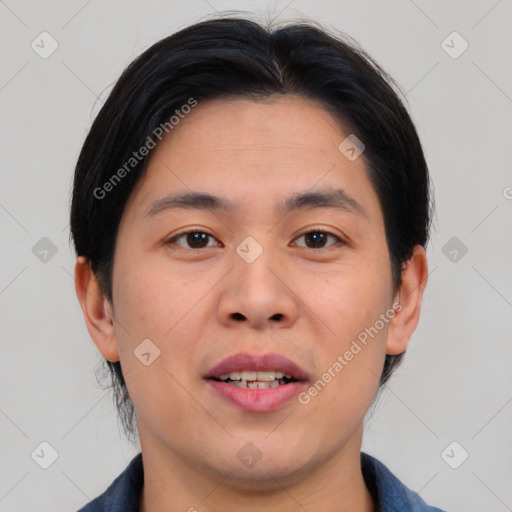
[(405, 321), (96, 309)]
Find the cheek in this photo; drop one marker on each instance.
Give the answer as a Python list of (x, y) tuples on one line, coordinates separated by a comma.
[(349, 298), (156, 305), (350, 302), (154, 301), (150, 298)]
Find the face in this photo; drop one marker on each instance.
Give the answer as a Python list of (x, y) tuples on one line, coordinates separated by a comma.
[(273, 285)]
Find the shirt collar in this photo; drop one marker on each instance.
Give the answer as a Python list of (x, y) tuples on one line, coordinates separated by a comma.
[(389, 494)]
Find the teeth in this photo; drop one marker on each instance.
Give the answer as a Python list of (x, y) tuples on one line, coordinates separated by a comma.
[(255, 380), (255, 384), (248, 375), (267, 376), (230, 376)]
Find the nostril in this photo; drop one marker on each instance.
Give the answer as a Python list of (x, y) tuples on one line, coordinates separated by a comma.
[(238, 316), (277, 316)]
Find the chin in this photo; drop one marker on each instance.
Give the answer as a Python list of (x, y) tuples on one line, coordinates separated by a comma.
[(265, 477), (267, 469)]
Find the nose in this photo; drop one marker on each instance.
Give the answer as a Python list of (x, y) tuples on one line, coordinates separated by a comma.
[(258, 294)]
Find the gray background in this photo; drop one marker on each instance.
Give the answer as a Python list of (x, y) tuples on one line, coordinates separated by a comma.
[(455, 383)]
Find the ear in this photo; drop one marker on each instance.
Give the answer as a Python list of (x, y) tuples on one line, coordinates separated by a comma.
[(403, 324), (97, 310)]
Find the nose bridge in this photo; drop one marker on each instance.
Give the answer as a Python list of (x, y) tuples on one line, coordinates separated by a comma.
[(256, 292), (253, 272)]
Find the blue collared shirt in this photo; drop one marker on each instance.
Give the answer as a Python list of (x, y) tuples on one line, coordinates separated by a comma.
[(124, 494)]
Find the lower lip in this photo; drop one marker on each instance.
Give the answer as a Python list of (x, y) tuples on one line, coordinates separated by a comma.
[(258, 400)]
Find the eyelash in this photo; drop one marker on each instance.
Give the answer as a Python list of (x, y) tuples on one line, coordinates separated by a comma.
[(322, 231)]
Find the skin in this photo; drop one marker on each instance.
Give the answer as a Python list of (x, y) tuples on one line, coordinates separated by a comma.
[(184, 299)]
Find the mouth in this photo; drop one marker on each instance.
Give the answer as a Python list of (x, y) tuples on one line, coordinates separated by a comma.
[(257, 382)]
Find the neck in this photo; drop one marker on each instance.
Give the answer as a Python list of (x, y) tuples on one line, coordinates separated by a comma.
[(171, 484)]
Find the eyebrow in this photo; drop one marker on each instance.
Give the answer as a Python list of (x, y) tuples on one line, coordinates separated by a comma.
[(336, 199)]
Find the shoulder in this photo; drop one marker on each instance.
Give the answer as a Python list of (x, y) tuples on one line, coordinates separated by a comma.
[(389, 492), (123, 494)]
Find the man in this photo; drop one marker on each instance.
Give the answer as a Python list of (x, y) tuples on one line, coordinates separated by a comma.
[(250, 214)]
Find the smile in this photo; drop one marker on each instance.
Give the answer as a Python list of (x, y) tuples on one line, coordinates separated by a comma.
[(257, 380), (258, 383)]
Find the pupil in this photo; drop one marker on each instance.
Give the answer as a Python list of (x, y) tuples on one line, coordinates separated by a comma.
[(197, 239), (317, 237)]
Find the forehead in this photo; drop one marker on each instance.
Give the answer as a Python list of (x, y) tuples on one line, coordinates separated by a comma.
[(277, 124), (253, 153)]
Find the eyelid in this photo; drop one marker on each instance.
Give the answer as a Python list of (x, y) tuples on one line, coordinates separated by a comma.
[(173, 238), (311, 229), (319, 229)]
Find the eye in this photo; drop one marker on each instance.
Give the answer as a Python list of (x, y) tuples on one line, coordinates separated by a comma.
[(317, 239), (194, 239)]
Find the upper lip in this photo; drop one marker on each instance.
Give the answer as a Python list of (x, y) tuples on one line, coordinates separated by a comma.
[(257, 363)]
